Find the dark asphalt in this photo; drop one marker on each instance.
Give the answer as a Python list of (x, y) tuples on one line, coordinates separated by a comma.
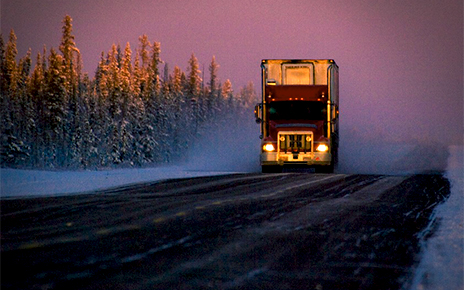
[(245, 231)]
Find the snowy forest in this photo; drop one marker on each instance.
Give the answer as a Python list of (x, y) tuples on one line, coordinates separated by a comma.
[(134, 111)]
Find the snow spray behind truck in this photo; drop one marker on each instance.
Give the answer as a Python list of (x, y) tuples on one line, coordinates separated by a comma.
[(298, 114)]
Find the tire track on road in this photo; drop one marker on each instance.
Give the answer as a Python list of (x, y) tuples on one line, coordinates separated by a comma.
[(229, 231)]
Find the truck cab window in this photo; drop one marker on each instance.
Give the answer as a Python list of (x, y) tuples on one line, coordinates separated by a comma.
[(297, 110)]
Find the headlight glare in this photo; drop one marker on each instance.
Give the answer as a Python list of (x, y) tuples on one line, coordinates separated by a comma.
[(322, 148), (268, 147)]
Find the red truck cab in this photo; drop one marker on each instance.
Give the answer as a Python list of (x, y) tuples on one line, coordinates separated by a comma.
[(298, 114)]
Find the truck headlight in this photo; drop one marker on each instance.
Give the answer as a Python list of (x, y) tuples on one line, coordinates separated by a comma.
[(322, 148), (268, 147)]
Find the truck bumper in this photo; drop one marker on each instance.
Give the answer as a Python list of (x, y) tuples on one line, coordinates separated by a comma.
[(315, 158)]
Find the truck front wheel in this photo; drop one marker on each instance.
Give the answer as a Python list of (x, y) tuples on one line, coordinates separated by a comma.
[(271, 169), (324, 169)]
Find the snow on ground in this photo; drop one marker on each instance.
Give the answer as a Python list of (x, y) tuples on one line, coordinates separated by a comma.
[(442, 262), (15, 182), (218, 152)]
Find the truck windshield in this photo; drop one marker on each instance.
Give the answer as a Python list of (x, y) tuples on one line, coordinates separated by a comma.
[(297, 110)]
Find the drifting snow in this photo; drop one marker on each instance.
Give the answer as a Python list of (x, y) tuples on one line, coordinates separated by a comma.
[(377, 157)]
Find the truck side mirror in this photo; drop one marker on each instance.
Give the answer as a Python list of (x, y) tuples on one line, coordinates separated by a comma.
[(335, 112), (258, 113)]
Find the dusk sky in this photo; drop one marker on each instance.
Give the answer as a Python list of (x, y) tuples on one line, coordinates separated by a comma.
[(401, 61)]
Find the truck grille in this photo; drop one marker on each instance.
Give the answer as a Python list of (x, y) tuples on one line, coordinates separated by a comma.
[(295, 142)]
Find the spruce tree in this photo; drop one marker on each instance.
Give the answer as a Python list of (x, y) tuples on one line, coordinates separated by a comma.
[(212, 105), (102, 120), (63, 115), (125, 79), (137, 76), (36, 89), (144, 54), (55, 106), (194, 77), (114, 108), (127, 139), (248, 95), (157, 109), (153, 72), (69, 50), (70, 54), (24, 120), (227, 89), (4, 104), (3, 69), (11, 66), (179, 117), (12, 149), (194, 98)]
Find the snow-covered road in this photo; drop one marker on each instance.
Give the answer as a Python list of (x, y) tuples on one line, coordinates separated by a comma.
[(441, 266), (269, 231)]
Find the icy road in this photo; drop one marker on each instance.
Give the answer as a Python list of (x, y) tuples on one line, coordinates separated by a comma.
[(242, 231)]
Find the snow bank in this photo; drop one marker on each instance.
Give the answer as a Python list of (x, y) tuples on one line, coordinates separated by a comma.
[(15, 183), (219, 151), (442, 263)]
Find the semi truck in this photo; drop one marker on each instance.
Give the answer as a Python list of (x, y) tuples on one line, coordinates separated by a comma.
[(298, 114)]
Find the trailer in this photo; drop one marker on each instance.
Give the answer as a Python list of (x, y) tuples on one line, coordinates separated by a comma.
[(298, 114)]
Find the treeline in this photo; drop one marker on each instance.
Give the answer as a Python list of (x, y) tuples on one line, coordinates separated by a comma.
[(129, 114)]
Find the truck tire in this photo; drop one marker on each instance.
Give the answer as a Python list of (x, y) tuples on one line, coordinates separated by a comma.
[(271, 169), (324, 169), (329, 168)]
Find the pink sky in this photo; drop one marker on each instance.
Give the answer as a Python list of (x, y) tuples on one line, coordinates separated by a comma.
[(401, 62)]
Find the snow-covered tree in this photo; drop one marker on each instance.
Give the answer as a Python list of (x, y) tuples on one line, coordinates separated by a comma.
[(3, 68), (11, 66), (126, 115), (194, 77), (24, 117), (227, 89), (153, 70), (55, 106), (69, 52), (70, 70), (36, 90), (247, 96), (178, 114), (144, 54), (126, 79), (212, 104), (14, 125), (115, 104)]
